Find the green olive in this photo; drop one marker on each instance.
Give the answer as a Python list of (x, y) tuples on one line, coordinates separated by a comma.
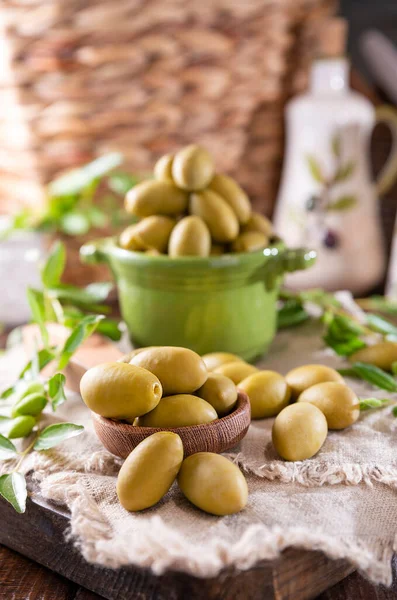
[(155, 198), (119, 390), (268, 392), (33, 405), (250, 241), (382, 355), (190, 237), (192, 168), (36, 387), (234, 195), (149, 471), (180, 370), (180, 410), (258, 222), (301, 378), (21, 427), (220, 392), (213, 483), (299, 431), (163, 168), (150, 233), (337, 402), (236, 371), (216, 359), (130, 355), (217, 214)]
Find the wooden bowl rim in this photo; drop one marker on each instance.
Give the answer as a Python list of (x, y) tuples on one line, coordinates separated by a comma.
[(127, 429)]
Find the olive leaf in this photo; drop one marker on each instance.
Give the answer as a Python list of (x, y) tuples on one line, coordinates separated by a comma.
[(342, 334), (44, 357), (381, 325), (80, 333), (120, 183), (344, 172), (290, 314), (52, 271), (342, 203), (315, 168), (77, 180), (75, 223), (56, 390), (37, 307), (55, 434), (379, 303), (336, 145), (91, 294), (394, 411), (375, 376), (7, 449), (368, 403), (13, 489)]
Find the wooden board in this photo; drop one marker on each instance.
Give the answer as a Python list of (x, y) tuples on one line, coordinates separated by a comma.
[(39, 534)]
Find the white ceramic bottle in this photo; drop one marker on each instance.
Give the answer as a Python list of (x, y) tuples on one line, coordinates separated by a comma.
[(327, 199)]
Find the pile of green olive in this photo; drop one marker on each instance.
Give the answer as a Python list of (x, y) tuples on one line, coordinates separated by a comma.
[(189, 210), (209, 481)]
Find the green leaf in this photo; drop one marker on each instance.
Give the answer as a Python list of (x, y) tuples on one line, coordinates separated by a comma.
[(380, 303), (336, 145), (344, 348), (394, 368), (368, 403), (120, 183), (56, 390), (291, 314), (55, 434), (7, 393), (55, 265), (394, 411), (45, 356), (92, 294), (344, 172), (315, 169), (75, 223), (342, 203), (110, 329), (13, 489), (80, 333), (78, 179), (381, 325), (342, 334), (348, 373), (97, 217), (37, 307), (375, 376), (7, 449)]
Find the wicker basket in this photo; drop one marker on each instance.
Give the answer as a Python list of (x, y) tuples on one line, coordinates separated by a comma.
[(80, 78)]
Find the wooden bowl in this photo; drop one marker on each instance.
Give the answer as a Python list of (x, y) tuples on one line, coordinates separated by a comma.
[(220, 435)]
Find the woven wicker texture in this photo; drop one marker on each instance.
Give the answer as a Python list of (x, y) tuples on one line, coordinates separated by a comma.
[(80, 78)]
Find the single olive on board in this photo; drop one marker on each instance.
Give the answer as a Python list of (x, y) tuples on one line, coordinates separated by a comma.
[(234, 195), (249, 241), (163, 168), (382, 355), (190, 237), (216, 359), (216, 213), (213, 483), (150, 233), (180, 370), (301, 378), (299, 431), (236, 371), (149, 471), (119, 390), (181, 410), (155, 198), (192, 168), (258, 222), (21, 427), (220, 392), (337, 402), (268, 392)]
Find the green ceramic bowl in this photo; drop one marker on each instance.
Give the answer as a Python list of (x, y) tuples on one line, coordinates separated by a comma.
[(220, 303)]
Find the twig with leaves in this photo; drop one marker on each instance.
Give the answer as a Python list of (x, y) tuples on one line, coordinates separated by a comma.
[(23, 403)]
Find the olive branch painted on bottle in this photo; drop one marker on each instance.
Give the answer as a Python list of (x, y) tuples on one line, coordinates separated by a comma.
[(324, 202)]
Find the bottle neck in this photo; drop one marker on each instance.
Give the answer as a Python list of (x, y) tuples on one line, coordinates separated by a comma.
[(330, 76)]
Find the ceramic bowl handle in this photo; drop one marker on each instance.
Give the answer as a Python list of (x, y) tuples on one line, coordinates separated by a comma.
[(93, 253), (388, 175)]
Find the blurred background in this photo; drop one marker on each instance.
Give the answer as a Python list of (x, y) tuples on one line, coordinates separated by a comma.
[(130, 80)]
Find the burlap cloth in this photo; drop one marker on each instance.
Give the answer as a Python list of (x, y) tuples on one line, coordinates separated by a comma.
[(343, 501)]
